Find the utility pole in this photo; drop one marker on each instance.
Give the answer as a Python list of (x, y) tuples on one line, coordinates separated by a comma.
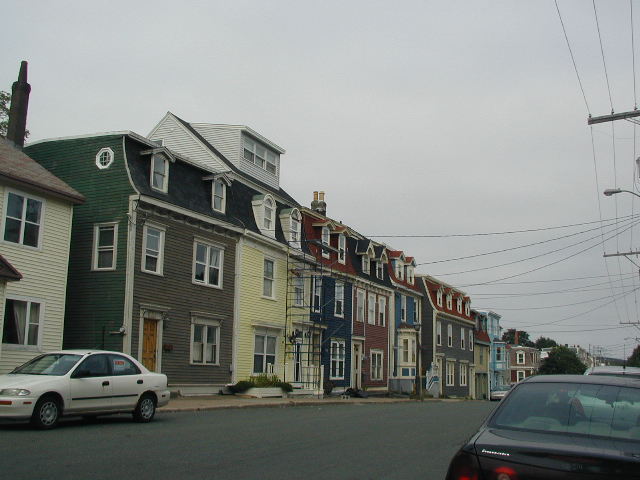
[(613, 117)]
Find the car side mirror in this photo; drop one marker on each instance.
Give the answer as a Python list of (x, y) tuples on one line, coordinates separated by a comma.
[(81, 373)]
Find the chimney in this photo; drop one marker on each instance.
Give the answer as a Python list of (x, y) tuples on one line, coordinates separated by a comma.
[(516, 337), (314, 203), (322, 206), (18, 110)]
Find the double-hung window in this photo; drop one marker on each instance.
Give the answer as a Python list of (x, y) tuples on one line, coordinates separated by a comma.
[(316, 294), (339, 299), (449, 301), (159, 173), (380, 270), (298, 291), (462, 338), (463, 375), (207, 264), (23, 219), (105, 240), (259, 155), (371, 309), (342, 249), (459, 305), (22, 322), (205, 338), (471, 340), (264, 353), (376, 365), (520, 358), (366, 264), (521, 375), (439, 333), (405, 350), (268, 214), (219, 194), (449, 335), (467, 308), (295, 228), (403, 308), (451, 369), (337, 359), (268, 278), (382, 311), (153, 249), (326, 237), (498, 354), (439, 298), (361, 299)]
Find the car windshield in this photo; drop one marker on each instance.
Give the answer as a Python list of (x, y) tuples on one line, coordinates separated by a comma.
[(50, 364), (601, 410)]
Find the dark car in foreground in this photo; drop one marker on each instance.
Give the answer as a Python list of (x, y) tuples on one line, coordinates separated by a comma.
[(558, 427)]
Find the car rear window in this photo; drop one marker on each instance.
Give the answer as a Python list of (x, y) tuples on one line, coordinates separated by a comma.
[(587, 409)]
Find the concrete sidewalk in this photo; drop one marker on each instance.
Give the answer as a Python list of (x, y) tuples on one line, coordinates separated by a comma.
[(212, 402)]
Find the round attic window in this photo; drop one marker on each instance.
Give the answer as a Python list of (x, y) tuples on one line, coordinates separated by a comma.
[(104, 158)]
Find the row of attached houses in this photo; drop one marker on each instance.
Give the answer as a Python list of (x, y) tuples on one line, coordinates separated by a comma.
[(182, 249)]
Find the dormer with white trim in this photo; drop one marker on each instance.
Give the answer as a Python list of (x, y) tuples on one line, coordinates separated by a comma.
[(291, 221), (264, 212)]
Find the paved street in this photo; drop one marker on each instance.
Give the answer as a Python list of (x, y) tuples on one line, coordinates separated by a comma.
[(359, 441)]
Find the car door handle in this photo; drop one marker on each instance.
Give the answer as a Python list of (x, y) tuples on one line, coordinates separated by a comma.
[(105, 383), (139, 382)]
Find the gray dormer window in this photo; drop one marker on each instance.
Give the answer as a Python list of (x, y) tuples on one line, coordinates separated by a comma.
[(219, 195), (269, 211), (325, 240), (259, 155), (295, 228), (159, 173)]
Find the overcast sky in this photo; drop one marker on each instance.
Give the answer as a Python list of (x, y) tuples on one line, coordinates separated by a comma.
[(415, 117)]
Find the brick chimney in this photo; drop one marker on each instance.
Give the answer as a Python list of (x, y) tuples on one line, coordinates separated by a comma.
[(18, 110), (516, 337), (318, 204)]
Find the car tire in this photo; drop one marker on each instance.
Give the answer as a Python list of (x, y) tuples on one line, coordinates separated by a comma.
[(145, 409), (46, 413)]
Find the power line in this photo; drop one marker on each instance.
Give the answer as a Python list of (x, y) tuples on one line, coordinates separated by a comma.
[(606, 75), (633, 58), (547, 280)]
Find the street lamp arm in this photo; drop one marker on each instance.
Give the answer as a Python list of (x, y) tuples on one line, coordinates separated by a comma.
[(613, 191)]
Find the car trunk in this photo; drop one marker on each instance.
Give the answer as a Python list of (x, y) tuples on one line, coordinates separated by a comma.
[(523, 455)]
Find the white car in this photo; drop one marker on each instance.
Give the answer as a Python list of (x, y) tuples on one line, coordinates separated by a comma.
[(81, 382)]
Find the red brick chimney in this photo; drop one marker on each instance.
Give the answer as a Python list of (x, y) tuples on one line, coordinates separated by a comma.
[(19, 106), (516, 338)]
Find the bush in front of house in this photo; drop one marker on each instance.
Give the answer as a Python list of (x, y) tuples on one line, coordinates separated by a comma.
[(261, 381)]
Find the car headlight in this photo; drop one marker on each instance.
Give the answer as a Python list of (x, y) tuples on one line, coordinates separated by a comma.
[(14, 392)]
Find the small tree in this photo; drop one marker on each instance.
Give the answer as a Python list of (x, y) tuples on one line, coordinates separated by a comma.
[(634, 359), (544, 342), (561, 360), (523, 338)]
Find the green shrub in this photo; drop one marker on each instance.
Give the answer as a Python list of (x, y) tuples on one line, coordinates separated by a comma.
[(241, 386), (261, 381)]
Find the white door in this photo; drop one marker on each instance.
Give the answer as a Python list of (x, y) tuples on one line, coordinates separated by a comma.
[(356, 363), (90, 387), (127, 383)]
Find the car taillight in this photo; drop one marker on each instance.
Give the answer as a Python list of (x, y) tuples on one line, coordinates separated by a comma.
[(464, 466), (505, 473)]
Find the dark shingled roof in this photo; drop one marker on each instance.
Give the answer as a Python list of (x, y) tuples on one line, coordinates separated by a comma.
[(7, 271), (17, 166)]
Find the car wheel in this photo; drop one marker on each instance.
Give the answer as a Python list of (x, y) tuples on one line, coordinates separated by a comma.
[(145, 409), (46, 413)]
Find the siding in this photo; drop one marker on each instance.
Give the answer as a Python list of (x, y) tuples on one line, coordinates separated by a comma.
[(44, 278), (337, 328), (176, 291), (95, 300)]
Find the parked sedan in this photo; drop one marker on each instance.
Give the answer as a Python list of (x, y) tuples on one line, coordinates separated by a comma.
[(499, 392), (81, 382), (558, 427)]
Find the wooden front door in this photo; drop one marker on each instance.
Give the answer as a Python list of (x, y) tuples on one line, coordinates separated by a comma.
[(150, 343)]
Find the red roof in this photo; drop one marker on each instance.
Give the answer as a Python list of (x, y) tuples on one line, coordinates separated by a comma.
[(482, 336)]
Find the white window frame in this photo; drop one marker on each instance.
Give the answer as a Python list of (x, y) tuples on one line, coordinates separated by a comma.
[(462, 338), (382, 311), (165, 179), (403, 308), (339, 299), (451, 373), (269, 281), (295, 228), (449, 301), (41, 317), (298, 291), (410, 276), (160, 253), (499, 354), (366, 264), (520, 357), (467, 308), (96, 248), (326, 240), (268, 220), (108, 156), (265, 366), (316, 294), (336, 359), (463, 374), (222, 196), (521, 375), (208, 247), (439, 297), (471, 340), (269, 162), (439, 333), (342, 249), (377, 367), (459, 304), (449, 335), (371, 309), (23, 219), (380, 270), (405, 351), (198, 321), (361, 307)]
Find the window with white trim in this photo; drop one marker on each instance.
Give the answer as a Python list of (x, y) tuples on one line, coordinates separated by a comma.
[(326, 240), (451, 372), (259, 155), (336, 370), (316, 294), (463, 375), (467, 308), (380, 270), (295, 229), (413, 351), (219, 195), (104, 158), (520, 358), (439, 297), (403, 308), (268, 278), (207, 264), (371, 309), (471, 340), (342, 249), (459, 302), (268, 215), (339, 299), (449, 335), (376, 365), (205, 338), (366, 264), (153, 249), (398, 269), (22, 322), (410, 274), (23, 219), (449, 301), (462, 338), (298, 291), (361, 299), (382, 311), (521, 375), (405, 350), (438, 333), (498, 354), (264, 353), (159, 173), (105, 240)]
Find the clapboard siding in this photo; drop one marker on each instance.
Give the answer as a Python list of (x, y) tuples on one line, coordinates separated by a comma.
[(44, 276), (176, 291), (94, 298), (226, 140)]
